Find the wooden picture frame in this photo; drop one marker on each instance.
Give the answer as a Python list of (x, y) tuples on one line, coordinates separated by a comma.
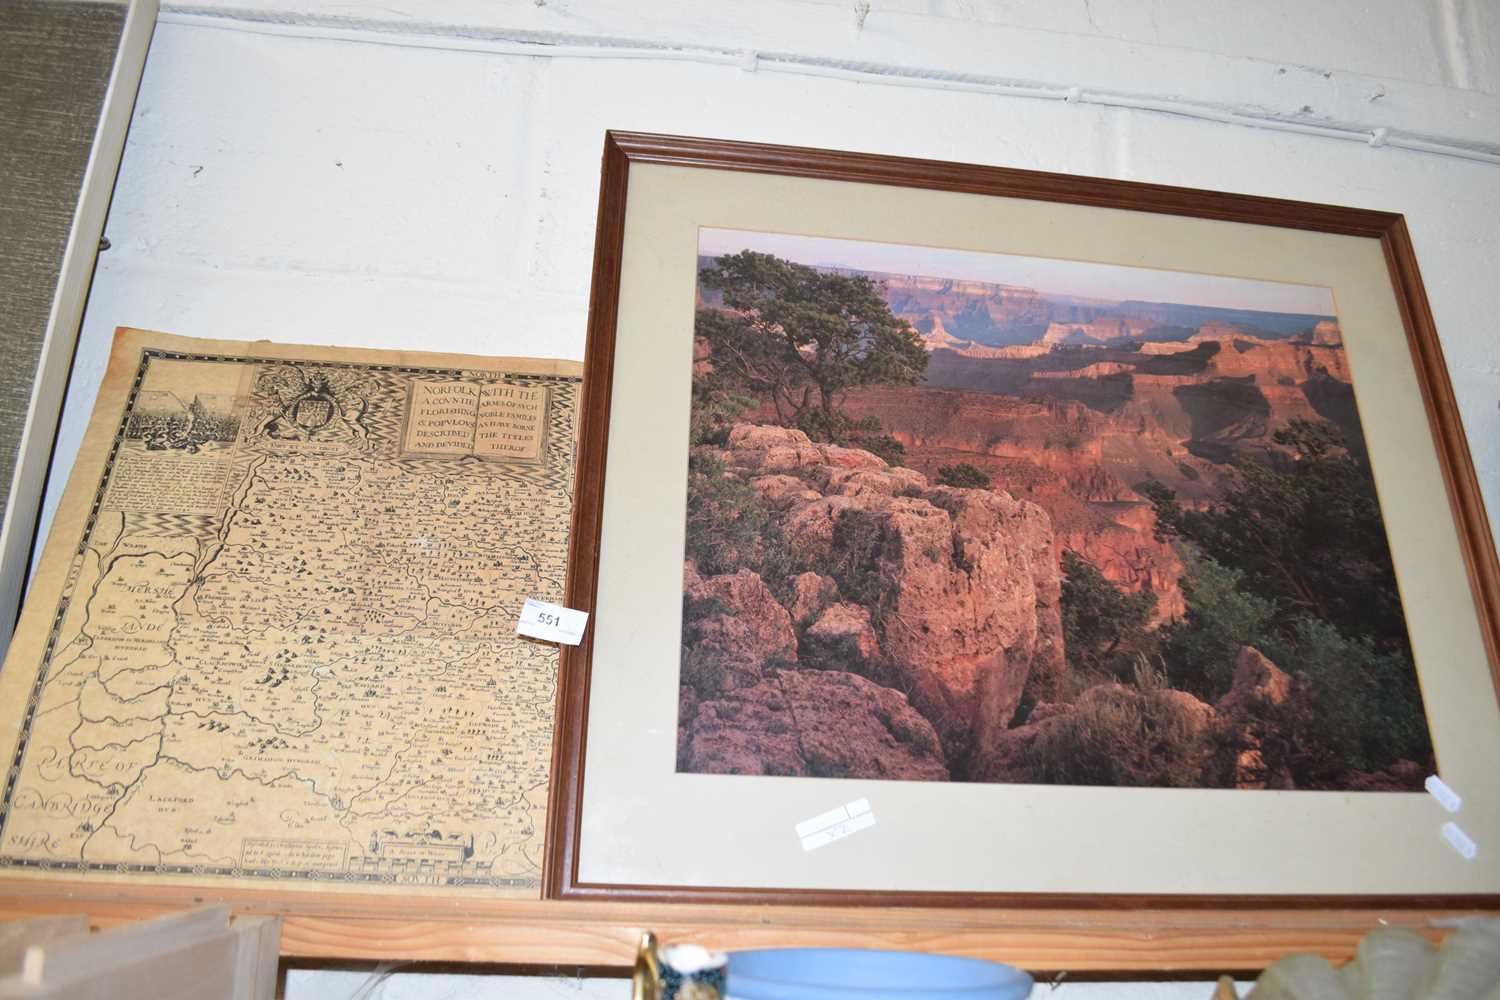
[(795, 172)]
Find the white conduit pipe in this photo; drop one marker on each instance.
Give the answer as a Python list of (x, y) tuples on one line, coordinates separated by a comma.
[(791, 63)]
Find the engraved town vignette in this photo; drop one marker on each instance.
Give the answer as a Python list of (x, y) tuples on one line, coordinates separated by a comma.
[(272, 638)]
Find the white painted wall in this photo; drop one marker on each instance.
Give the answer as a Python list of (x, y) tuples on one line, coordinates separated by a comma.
[(394, 175)]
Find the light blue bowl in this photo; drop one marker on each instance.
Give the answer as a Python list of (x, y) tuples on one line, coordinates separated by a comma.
[(856, 974)]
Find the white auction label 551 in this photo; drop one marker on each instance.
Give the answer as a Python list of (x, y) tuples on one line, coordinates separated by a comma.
[(551, 622)]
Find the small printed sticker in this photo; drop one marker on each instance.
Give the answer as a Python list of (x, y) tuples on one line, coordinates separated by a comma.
[(551, 622), (1450, 799), (1460, 841), (835, 824)]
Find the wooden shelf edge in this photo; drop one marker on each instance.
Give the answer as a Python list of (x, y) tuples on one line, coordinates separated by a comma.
[(547, 933)]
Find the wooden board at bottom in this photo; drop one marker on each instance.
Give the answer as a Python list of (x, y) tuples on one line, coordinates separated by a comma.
[(544, 932)]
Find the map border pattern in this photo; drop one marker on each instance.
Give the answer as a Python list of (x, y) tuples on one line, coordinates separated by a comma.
[(556, 424)]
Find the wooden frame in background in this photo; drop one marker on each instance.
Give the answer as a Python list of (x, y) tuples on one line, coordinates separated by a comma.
[(565, 879)]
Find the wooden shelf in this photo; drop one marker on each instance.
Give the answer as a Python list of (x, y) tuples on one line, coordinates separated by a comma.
[(332, 926)]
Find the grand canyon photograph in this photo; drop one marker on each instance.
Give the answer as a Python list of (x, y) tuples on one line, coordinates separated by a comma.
[(965, 516)]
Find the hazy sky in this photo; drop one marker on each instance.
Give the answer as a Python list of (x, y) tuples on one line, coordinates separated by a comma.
[(1062, 277)]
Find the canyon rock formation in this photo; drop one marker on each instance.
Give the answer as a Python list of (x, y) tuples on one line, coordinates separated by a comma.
[(948, 596), (1078, 429), (814, 723), (744, 629)]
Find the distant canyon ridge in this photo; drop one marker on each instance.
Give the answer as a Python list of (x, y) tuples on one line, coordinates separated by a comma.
[(1074, 403)]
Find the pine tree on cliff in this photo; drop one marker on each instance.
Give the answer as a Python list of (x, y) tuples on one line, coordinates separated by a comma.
[(801, 337)]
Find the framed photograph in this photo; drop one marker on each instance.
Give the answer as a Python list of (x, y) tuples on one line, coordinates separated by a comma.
[(956, 535)]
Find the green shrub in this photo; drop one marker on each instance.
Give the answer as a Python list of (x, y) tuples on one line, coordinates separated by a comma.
[(729, 528), (854, 559), (841, 429), (1121, 736), (1200, 650), (695, 610), (1364, 707), (1100, 621), (703, 671), (1350, 708), (1303, 528), (713, 414), (963, 476), (882, 446)]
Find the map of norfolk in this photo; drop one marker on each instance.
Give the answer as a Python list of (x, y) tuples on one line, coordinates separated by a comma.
[(269, 642)]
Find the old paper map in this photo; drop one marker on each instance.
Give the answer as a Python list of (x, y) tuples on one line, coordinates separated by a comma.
[(272, 639)]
